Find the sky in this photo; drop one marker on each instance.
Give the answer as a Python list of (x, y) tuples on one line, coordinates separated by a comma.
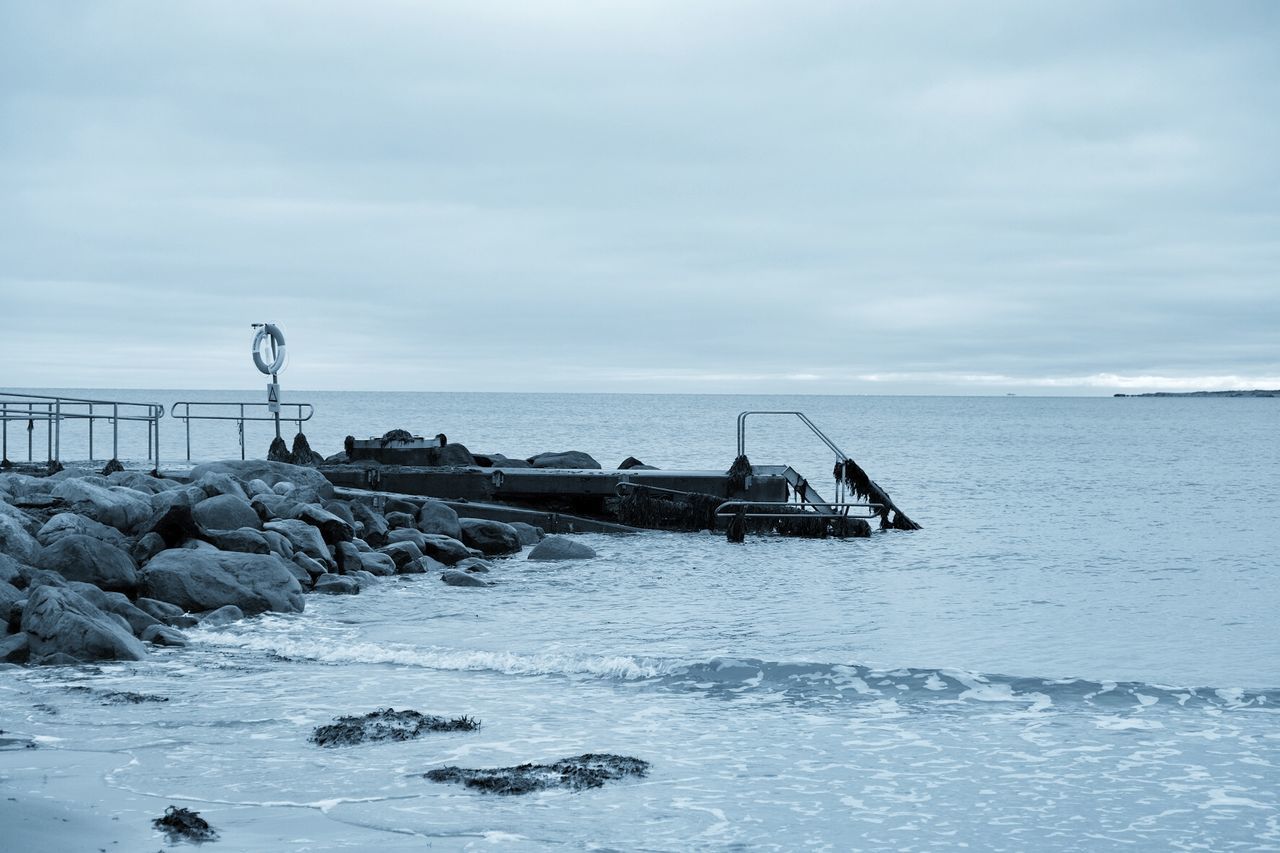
[(694, 197)]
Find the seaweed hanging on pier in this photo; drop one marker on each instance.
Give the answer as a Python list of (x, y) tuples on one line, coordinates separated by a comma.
[(656, 509), (864, 488), (738, 473)]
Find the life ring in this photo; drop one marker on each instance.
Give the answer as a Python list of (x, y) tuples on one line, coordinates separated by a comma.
[(265, 331)]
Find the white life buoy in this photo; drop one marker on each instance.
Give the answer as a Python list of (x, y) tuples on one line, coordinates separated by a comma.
[(270, 332)]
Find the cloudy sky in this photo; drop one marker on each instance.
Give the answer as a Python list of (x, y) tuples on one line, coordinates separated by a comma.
[(844, 197)]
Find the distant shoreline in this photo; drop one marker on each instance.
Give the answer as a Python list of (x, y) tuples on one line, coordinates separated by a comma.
[(1254, 393)]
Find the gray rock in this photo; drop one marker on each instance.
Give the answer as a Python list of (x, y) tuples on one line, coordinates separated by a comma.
[(454, 455), (573, 459), (310, 566), (224, 615), (68, 523), (343, 511), (438, 517), (246, 540), (16, 541), (475, 565), (15, 648), (362, 545), (163, 635), (375, 526), (118, 506), (140, 482), (443, 548), (147, 547), (216, 483), (257, 487), (26, 522), (225, 512), (529, 535), (115, 603), (10, 612), (332, 528), (303, 537), (408, 534), (278, 544), (453, 577), (337, 585), (10, 569), (271, 473), (83, 558), (401, 553), (491, 537), (206, 580), (431, 565), (365, 579), (632, 463), (561, 548), (273, 507), (165, 612), (392, 504), (397, 520), (61, 624), (380, 565), (33, 577), (284, 487), (497, 460)]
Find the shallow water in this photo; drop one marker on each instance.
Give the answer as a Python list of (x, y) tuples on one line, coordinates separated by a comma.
[(1078, 650)]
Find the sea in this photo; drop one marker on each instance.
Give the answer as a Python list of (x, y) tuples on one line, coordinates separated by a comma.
[(1079, 650)]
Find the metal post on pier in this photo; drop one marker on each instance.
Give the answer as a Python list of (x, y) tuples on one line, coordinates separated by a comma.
[(115, 431), (91, 432)]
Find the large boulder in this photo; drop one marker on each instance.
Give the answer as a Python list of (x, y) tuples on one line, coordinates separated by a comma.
[(574, 459), (225, 512), (117, 506), (83, 558), (215, 483), (311, 483), (302, 536), (439, 517), (401, 553), (70, 524), (529, 535), (443, 548), (207, 580), (271, 506), (16, 541), (10, 610), (113, 602), (491, 537), (454, 455), (337, 585), (245, 540), (332, 528), (497, 460), (375, 526), (25, 521), (63, 627), (561, 548), (453, 577)]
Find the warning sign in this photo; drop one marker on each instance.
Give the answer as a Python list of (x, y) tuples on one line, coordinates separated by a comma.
[(273, 397)]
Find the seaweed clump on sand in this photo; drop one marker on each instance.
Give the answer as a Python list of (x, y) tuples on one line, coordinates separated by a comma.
[(387, 724), (184, 825), (584, 771)]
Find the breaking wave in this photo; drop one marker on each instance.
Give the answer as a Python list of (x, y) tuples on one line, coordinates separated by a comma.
[(729, 678)]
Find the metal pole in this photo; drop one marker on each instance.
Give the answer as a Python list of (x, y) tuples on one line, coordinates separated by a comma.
[(57, 444), (115, 431), (275, 381), (31, 428), (157, 414), (188, 420), (91, 432), (48, 430), (241, 424)]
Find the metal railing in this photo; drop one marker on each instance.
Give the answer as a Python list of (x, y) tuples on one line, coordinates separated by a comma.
[(742, 432), (52, 411), (783, 510), (232, 411)]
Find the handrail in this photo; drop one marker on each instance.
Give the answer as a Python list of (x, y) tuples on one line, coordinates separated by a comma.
[(742, 432), (52, 410), (871, 510), (302, 412)]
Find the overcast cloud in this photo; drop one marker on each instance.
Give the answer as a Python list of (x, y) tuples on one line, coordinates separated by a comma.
[(661, 196)]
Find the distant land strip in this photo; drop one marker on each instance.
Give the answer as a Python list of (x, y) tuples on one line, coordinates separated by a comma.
[(1254, 393)]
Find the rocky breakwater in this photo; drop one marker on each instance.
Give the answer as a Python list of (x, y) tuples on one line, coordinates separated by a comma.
[(103, 568)]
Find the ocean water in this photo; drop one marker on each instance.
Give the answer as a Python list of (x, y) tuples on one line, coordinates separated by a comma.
[(1078, 651)]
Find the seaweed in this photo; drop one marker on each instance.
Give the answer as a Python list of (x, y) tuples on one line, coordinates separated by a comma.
[(387, 724), (591, 770), (181, 824)]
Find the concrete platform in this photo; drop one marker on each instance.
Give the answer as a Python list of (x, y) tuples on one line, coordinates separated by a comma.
[(539, 485)]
